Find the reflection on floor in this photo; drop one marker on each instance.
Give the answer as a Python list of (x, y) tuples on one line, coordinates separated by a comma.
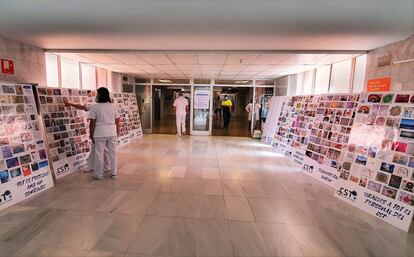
[(238, 127), (167, 125), (196, 196)]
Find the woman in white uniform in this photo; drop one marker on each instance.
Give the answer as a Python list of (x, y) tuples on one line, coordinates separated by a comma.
[(91, 157), (256, 114), (104, 131)]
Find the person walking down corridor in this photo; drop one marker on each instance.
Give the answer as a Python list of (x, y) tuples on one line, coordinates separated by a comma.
[(104, 130), (226, 106), (180, 108)]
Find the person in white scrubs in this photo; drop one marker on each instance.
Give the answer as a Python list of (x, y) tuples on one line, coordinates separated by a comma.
[(180, 108), (91, 157), (104, 131), (256, 114)]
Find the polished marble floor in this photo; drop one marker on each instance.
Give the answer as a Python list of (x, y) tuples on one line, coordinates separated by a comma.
[(196, 196)]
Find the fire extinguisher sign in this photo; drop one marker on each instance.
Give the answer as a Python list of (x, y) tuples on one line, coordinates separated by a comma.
[(7, 66)]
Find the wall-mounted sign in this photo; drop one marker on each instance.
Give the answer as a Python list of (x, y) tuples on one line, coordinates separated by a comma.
[(7, 66), (202, 99), (379, 85)]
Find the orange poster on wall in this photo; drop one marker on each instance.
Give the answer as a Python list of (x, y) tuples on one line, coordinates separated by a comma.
[(379, 85)]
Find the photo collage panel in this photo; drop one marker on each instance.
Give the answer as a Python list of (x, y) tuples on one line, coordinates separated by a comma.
[(334, 117), (380, 153), (130, 125), (66, 127), (22, 148)]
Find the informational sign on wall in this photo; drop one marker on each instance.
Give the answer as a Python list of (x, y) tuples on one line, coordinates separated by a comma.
[(379, 85), (24, 165), (202, 99), (7, 66)]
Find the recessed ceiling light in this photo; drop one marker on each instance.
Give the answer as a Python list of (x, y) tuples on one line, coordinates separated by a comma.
[(241, 81), (165, 80)]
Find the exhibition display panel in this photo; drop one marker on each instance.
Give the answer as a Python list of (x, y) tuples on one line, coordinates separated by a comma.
[(67, 129), (24, 165), (362, 145)]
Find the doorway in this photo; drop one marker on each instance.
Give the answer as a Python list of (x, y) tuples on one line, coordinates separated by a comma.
[(239, 121), (163, 112)]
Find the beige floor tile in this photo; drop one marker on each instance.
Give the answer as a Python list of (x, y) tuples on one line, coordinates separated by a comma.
[(211, 173), (252, 189), (120, 233), (137, 204), (177, 171), (164, 204), (247, 239), (232, 187), (182, 238), (213, 239), (213, 207), (212, 187), (116, 199), (313, 241), (278, 240), (238, 208), (274, 190), (291, 213), (188, 206), (152, 236), (263, 210)]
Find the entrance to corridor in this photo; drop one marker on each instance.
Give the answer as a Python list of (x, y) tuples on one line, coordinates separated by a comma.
[(239, 122), (162, 108)]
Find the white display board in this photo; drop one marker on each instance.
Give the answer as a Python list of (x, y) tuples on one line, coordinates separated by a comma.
[(130, 124), (378, 162), (269, 127), (66, 128), (362, 145), (24, 165)]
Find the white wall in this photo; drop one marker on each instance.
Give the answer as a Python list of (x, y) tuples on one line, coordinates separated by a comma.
[(399, 73), (29, 62)]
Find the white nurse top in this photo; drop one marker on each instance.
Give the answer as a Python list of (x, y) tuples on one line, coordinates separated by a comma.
[(249, 109), (104, 114), (180, 105)]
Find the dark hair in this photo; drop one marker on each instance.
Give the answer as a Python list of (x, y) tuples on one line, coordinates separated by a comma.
[(103, 95)]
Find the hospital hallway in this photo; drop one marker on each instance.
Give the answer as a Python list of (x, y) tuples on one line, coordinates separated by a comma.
[(196, 196)]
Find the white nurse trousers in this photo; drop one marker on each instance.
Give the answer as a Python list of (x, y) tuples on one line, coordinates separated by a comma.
[(91, 159), (102, 143), (180, 120)]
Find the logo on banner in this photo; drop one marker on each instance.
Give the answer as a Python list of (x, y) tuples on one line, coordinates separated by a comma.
[(63, 169), (6, 197), (308, 168), (351, 195)]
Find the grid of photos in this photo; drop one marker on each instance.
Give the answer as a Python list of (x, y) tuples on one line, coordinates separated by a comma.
[(23, 151), (66, 127), (380, 154), (130, 125), (331, 128)]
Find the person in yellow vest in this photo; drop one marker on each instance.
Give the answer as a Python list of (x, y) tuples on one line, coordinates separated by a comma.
[(226, 106)]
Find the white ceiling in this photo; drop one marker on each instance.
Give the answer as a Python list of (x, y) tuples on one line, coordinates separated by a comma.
[(200, 65), (207, 24)]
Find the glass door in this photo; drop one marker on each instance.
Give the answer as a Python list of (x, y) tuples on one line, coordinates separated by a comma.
[(201, 110)]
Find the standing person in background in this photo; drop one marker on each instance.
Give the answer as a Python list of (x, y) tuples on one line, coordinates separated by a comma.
[(104, 130), (180, 109), (226, 106), (91, 157), (256, 114), (217, 108)]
